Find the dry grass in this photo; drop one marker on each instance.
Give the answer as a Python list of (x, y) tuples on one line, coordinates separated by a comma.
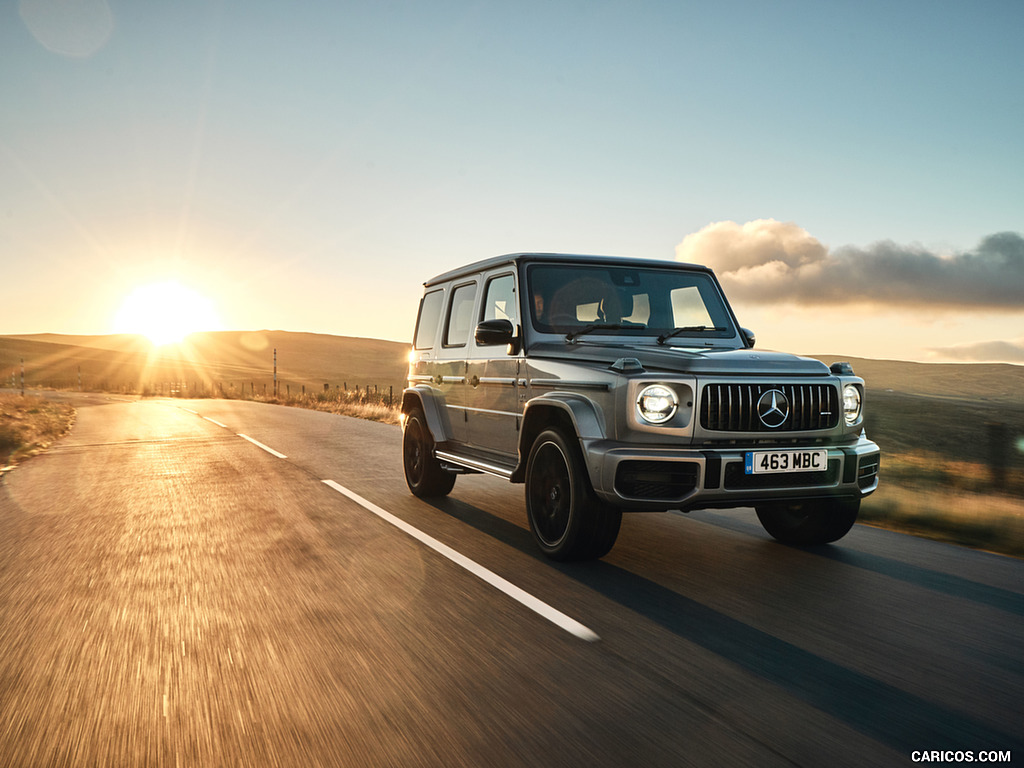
[(381, 412), (949, 500), (29, 425), (343, 403)]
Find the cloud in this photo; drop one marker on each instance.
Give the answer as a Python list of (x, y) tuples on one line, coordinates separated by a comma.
[(985, 351), (767, 261)]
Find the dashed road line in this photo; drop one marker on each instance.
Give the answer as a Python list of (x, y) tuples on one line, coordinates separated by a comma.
[(255, 442), (521, 596), (536, 605), (266, 448)]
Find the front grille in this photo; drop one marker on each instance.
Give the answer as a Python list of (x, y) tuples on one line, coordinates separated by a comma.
[(665, 480), (737, 480), (733, 407)]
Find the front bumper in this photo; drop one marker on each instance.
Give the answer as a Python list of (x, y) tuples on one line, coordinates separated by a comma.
[(652, 478)]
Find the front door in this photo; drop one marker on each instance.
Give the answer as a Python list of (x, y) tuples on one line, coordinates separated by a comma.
[(493, 375)]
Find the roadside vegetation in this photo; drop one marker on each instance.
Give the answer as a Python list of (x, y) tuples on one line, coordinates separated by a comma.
[(372, 404), (30, 424), (346, 404), (955, 501), (952, 467)]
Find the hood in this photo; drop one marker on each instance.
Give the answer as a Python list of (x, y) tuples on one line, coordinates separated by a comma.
[(699, 362)]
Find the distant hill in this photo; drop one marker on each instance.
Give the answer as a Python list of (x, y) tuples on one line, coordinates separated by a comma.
[(312, 359), (980, 381), (228, 358)]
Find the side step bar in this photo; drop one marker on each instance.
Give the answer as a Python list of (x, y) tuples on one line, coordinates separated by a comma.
[(476, 465)]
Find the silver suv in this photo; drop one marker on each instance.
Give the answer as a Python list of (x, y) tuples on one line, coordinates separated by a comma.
[(609, 385)]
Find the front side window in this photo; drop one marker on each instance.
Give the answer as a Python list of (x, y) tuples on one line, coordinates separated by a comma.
[(500, 299), (629, 300), (460, 316)]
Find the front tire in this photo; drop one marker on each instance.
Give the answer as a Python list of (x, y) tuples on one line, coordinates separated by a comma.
[(423, 472), (567, 519), (811, 522)]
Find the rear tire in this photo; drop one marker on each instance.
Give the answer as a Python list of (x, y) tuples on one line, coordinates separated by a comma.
[(811, 522), (423, 472), (567, 519)]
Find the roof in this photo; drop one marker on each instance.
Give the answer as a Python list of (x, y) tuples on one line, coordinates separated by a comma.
[(561, 258)]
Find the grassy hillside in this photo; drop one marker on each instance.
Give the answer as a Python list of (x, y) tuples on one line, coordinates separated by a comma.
[(945, 409), (227, 359), (993, 382)]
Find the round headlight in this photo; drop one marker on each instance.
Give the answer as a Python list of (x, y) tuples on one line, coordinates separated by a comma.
[(851, 404), (656, 404)]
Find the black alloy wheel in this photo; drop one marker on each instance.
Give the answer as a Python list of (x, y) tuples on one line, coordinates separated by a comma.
[(423, 472), (567, 519)]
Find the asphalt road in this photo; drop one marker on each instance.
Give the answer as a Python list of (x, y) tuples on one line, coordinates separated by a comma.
[(172, 594)]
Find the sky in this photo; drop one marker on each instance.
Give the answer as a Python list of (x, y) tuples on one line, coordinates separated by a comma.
[(852, 171)]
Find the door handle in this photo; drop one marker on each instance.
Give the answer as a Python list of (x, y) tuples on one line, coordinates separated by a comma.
[(474, 381)]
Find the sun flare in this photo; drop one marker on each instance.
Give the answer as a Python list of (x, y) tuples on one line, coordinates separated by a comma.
[(166, 313)]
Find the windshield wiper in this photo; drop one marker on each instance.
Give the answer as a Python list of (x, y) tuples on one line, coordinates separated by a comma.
[(688, 329), (571, 337)]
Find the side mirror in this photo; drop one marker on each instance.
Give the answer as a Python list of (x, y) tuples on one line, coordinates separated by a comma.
[(494, 332), (748, 337)]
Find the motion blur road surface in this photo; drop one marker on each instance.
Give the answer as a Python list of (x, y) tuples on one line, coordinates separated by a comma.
[(172, 594)]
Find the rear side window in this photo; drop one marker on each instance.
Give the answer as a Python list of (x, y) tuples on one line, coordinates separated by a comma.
[(460, 316), (426, 323)]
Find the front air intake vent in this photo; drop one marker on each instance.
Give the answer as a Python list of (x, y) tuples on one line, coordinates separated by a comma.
[(656, 480), (769, 407)]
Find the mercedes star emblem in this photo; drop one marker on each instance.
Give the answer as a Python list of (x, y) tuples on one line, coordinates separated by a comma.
[(773, 408)]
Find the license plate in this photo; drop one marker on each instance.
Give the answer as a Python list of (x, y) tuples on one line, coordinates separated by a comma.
[(768, 462)]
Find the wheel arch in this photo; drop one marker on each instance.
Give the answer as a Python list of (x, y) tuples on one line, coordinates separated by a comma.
[(432, 405), (577, 416)]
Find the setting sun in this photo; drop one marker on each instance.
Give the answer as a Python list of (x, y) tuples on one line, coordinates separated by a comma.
[(166, 313)]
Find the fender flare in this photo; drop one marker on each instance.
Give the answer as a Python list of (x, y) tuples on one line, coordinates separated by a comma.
[(431, 403), (584, 417)]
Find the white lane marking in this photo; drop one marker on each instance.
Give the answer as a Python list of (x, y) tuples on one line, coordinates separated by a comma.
[(525, 598), (266, 448), (214, 421)]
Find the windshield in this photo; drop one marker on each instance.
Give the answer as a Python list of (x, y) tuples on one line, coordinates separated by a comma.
[(627, 301)]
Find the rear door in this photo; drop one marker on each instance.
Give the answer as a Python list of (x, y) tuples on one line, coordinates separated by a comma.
[(451, 360)]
